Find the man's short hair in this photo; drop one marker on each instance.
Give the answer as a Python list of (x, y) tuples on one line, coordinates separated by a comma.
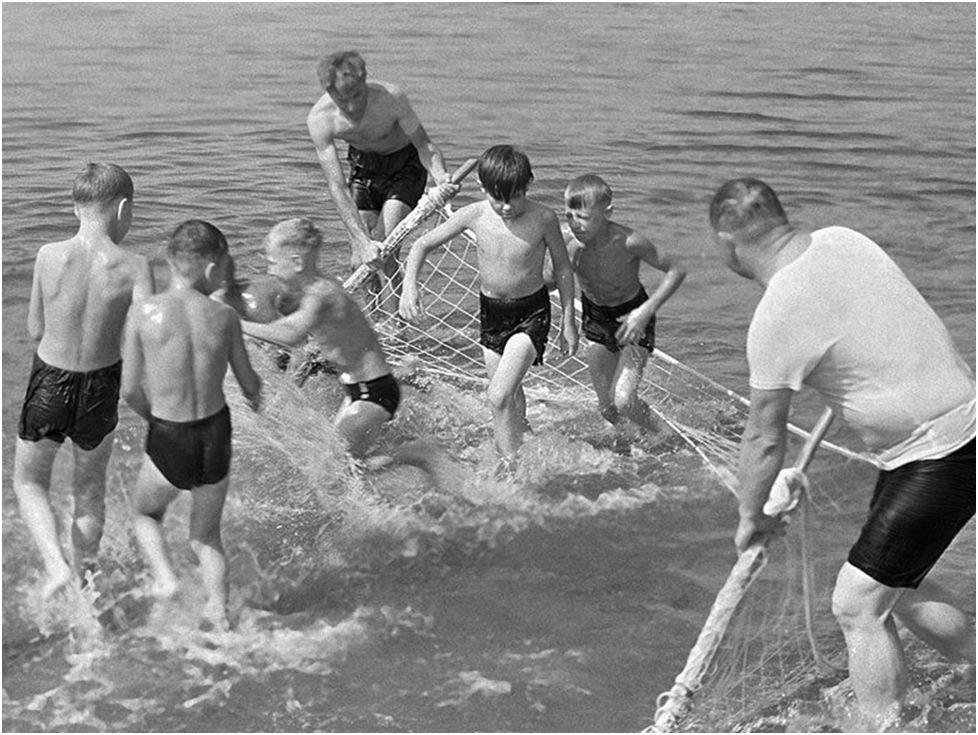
[(504, 171), (330, 65), (102, 183), (746, 204)]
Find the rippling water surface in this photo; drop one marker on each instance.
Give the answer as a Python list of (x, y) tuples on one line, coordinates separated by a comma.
[(565, 608)]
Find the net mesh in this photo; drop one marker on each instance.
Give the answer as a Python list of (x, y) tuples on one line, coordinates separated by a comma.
[(765, 654)]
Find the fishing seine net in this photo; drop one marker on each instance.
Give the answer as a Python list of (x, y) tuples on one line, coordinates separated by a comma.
[(765, 656)]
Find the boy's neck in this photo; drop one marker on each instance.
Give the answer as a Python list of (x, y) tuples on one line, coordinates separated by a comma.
[(601, 237), (179, 283), (92, 229)]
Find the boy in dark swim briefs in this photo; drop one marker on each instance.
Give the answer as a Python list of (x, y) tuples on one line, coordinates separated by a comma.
[(178, 348), (329, 315), (513, 235), (618, 316), (82, 291)]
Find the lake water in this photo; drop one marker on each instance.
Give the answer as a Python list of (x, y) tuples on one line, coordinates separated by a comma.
[(563, 610)]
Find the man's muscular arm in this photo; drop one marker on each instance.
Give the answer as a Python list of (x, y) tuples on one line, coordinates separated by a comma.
[(408, 121), (364, 249)]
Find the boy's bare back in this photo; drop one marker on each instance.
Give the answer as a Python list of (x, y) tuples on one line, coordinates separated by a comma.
[(81, 294), (342, 331), (187, 341)]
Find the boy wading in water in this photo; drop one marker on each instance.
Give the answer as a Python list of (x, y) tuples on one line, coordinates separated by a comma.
[(617, 315), (513, 234), (178, 348), (82, 291)]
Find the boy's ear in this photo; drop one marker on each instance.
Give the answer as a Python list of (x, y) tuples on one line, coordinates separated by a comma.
[(124, 208), (609, 210), (723, 237)]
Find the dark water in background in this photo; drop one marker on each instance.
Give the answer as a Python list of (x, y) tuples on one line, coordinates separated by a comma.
[(568, 608)]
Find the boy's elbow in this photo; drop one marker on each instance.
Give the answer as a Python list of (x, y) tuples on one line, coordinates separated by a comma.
[(253, 387)]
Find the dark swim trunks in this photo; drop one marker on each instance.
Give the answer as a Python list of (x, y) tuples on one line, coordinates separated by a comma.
[(63, 404), (191, 453), (375, 177), (916, 512), (601, 322), (500, 319), (384, 391)]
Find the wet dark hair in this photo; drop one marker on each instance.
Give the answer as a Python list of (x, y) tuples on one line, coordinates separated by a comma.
[(102, 183), (334, 62), (504, 171), (746, 205), (196, 238)]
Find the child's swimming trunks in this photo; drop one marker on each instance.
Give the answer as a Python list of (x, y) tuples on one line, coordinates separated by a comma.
[(191, 453), (383, 391), (376, 177), (500, 319), (601, 322)]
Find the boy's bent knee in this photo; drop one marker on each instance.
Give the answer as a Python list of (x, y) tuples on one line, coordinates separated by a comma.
[(860, 601)]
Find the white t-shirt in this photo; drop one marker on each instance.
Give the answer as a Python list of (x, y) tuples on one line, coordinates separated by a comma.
[(843, 319)]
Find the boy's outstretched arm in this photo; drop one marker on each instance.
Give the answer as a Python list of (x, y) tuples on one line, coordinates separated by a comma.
[(563, 274), (410, 302), (634, 323), (291, 330), (241, 366)]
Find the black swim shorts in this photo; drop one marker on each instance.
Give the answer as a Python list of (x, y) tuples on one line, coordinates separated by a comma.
[(191, 453), (384, 391), (375, 177), (500, 319), (63, 404), (601, 322), (916, 512)]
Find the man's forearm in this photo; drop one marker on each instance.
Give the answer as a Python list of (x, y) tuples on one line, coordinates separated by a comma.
[(349, 214), (761, 458)]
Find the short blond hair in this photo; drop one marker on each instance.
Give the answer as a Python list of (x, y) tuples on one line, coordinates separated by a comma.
[(298, 234), (587, 191)]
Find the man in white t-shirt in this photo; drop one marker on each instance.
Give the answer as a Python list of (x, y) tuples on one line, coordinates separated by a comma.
[(839, 316)]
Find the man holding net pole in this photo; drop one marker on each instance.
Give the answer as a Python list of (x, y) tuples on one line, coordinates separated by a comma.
[(839, 316), (390, 156)]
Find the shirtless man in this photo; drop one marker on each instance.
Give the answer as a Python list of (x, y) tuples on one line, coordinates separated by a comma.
[(79, 300), (390, 155), (178, 348)]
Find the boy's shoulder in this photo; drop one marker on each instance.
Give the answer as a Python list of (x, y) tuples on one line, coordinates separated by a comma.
[(50, 250), (540, 208), (325, 290)]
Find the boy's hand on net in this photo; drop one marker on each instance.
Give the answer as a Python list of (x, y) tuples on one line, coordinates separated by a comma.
[(409, 306), (753, 528)]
